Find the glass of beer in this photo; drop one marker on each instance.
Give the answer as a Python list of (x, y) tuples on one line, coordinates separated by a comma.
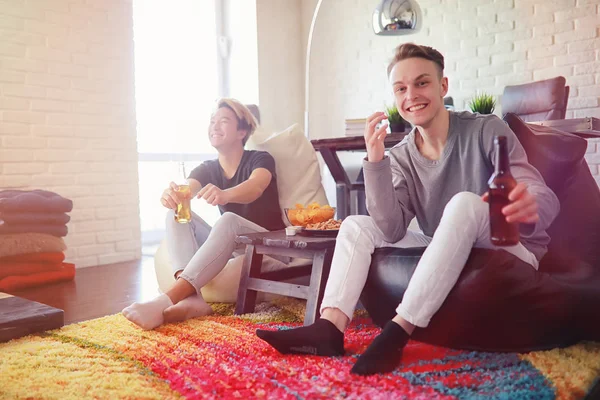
[(183, 215)]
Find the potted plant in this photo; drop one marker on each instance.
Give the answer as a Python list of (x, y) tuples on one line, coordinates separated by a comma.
[(483, 104), (395, 120)]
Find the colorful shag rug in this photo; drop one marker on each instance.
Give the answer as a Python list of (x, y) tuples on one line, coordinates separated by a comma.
[(220, 357)]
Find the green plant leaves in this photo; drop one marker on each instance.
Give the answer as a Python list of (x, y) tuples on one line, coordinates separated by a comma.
[(393, 114), (483, 104)]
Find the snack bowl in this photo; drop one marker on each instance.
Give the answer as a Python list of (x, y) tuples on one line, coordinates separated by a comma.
[(308, 215)]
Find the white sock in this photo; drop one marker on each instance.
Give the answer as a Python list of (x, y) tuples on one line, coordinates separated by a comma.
[(148, 315), (190, 307)]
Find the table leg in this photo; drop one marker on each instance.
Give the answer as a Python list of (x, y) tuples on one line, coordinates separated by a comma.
[(246, 299), (342, 181), (342, 196), (318, 280), (324, 277)]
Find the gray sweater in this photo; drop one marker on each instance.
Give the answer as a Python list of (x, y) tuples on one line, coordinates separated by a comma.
[(406, 184)]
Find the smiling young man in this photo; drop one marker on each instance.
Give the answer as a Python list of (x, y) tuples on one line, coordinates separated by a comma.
[(439, 174), (243, 184)]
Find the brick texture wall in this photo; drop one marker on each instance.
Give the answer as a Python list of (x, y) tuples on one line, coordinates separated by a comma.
[(280, 63), (67, 117), (488, 44)]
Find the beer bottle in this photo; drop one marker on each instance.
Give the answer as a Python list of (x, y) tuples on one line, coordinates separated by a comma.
[(501, 183)]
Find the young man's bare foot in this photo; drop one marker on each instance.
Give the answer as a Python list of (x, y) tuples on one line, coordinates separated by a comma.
[(190, 307), (148, 315)]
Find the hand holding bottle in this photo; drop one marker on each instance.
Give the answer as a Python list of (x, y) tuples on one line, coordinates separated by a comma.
[(523, 205), (169, 197)]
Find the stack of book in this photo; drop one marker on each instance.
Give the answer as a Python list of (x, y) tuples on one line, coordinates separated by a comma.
[(355, 127)]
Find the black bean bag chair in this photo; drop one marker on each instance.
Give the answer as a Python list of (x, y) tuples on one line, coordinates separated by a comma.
[(499, 302)]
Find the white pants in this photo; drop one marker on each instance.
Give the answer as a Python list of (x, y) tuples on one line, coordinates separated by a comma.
[(201, 251), (464, 225)]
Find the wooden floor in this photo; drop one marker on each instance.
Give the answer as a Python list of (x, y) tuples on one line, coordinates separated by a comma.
[(99, 291)]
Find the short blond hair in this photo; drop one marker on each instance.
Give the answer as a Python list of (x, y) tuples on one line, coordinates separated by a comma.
[(246, 120), (411, 50)]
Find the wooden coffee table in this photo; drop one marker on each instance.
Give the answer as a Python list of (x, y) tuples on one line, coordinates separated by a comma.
[(319, 249)]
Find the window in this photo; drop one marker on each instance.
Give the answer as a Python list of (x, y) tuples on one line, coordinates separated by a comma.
[(176, 74), (188, 53), (177, 82)]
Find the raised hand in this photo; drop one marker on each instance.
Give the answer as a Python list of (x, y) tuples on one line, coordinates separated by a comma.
[(374, 138), (169, 197), (213, 195)]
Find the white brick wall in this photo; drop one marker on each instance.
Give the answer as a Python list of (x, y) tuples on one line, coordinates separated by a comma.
[(280, 63), (488, 44), (67, 117)]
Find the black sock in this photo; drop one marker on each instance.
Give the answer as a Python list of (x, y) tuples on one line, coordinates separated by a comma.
[(384, 353), (321, 338)]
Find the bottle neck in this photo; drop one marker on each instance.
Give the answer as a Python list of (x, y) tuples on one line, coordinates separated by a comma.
[(502, 164), (182, 172)]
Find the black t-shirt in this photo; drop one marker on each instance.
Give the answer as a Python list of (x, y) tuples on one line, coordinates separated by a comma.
[(264, 211)]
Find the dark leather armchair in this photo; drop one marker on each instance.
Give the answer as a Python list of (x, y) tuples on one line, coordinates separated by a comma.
[(255, 111), (537, 101), (449, 103)]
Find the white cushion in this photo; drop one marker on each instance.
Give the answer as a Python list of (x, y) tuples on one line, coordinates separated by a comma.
[(296, 164)]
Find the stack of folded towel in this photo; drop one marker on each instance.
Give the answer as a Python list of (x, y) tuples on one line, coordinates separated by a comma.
[(32, 226)]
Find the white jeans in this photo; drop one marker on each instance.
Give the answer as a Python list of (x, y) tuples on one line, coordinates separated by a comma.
[(201, 251), (464, 225)]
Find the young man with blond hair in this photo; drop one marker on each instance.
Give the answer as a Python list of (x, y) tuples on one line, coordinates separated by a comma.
[(244, 186), (439, 174)]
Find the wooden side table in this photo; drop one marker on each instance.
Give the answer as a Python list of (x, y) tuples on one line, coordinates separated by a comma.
[(319, 249)]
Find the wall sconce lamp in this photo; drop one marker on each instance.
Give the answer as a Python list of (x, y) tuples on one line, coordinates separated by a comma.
[(397, 17)]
